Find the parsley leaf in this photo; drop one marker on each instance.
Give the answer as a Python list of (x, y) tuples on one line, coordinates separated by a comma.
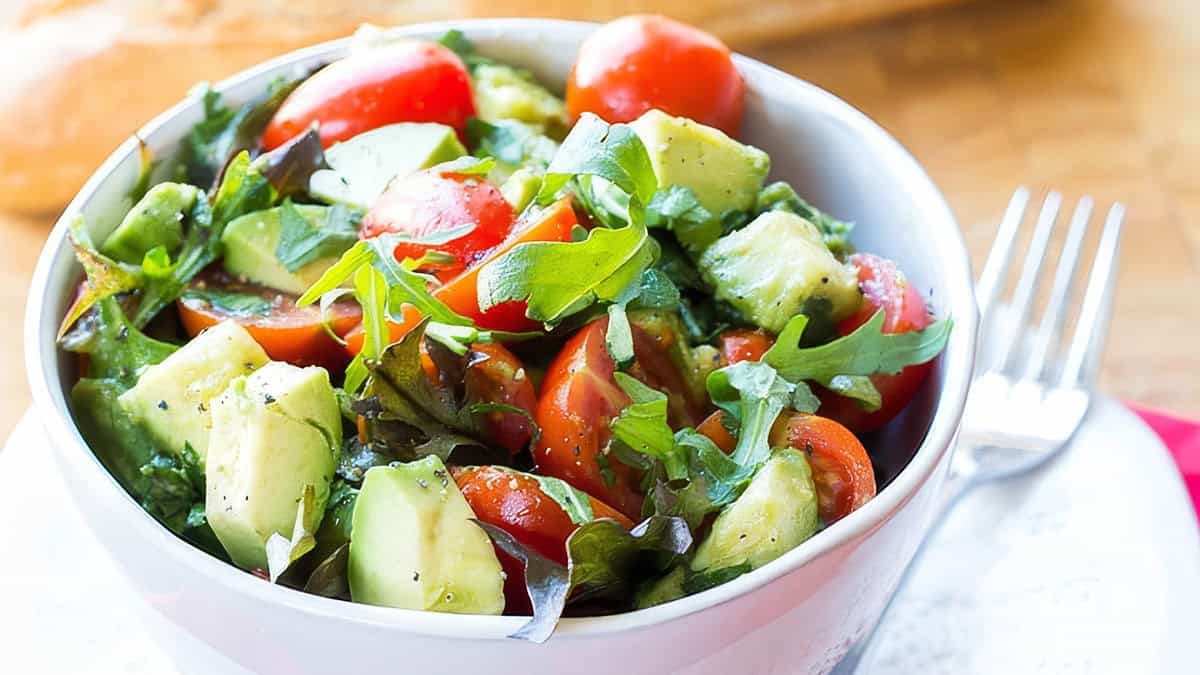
[(302, 241), (866, 351)]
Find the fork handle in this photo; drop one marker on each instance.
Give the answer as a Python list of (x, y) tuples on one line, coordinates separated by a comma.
[(963, 476)]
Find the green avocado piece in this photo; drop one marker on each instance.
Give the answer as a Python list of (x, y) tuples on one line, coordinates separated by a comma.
[(275, 433), (156, 220), (506, 93), (662, 590), (171, 400), (776, 513), (362, 166), (520, 188), (725, 175), (251, 240), (415, 546), (769, 269)]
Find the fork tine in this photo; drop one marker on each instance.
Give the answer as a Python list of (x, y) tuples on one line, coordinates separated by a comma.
[(1000, 257), (1053, 317), (1091, 329), (1028, 282)]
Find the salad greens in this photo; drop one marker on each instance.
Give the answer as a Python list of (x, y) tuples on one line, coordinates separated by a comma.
[(481, 346)]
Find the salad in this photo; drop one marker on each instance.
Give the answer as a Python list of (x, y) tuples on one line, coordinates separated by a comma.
[(412, 330)]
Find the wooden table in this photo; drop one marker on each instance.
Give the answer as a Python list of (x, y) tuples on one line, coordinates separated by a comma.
[(1085, 96)]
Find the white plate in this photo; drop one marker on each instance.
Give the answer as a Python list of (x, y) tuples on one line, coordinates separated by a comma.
[(1090, 566)]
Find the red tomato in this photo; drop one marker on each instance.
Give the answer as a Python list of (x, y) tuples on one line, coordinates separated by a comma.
[(495, 375), (403, 82), (286, 332), (515, 503), (461, 293), (714, 428), (431, 201), (640, 62), (743, 344), (884, 287), (841, 469), (579, 397)]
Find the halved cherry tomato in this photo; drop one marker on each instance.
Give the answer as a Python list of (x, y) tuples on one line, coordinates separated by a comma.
[(841, 468), (713, 426), (495, 375), (743, 344), (461, 294), (640, 62), (403, 82), (287, 332), (580, 396), (431, 201), (515, 503), (884, 287)]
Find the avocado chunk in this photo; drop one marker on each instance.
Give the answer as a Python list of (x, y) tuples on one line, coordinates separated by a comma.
[(506, 93), (776, 513), (275, 433), (156, 220), (662, 590), (171, 400), (415, 546), (725, 175), (251, 241), (769, 269), (362, 166), (520, 188)]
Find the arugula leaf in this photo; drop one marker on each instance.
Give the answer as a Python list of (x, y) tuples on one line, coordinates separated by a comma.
[(558, 279), (677, 209), (644, 428), (780, 196), (105, 277), (866, 351), (805, 401), (511, 142), (370, 289), (594, 148), (302, 241), (508, 408), (572, 500), (458, 43), (603, 561), (857, 387), (282, 551), (230, 302)]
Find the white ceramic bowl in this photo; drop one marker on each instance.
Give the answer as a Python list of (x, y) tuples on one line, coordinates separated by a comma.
[(798, 614)]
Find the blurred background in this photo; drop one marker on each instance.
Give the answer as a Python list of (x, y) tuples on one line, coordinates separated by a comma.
[(1083, 96)]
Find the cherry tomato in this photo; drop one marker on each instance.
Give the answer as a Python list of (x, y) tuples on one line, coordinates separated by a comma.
[(640, 62), (431, 201), (402, 82), (461, 293), (515, 503), (714, 428), (580, 396), (495, 375), (743, 344), (841, 468), (286, 332), (884, 287)]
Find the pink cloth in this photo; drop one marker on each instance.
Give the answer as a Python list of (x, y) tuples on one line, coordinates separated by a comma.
[(1182, 438)]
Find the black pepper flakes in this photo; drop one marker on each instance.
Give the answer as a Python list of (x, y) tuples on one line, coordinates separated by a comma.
[(123, 333), (162, 405), (423, 483), (416, 576), (268, 399)]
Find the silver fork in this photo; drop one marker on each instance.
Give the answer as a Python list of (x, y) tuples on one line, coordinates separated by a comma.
[(1025, 402)]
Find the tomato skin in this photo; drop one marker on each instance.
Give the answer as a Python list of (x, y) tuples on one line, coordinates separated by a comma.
[(409, 81), (884, 287), (717, 433), (515, 503), (461, 294), (640, 62), (430, 201), (743, 344), (841, 468), (289, 333), (495, 375)]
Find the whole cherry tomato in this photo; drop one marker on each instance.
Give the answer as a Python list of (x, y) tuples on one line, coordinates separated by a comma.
[(641, 62), (884, 287), (495, 375), (408, 81)]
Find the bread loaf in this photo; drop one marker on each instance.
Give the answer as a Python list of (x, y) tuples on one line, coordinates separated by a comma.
[(79, 76)]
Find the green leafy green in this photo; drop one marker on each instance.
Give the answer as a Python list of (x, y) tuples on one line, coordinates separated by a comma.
[(594, 148), (677, 209), (229, 302), (857, 387), (105, 277), (644, 428), (458, 43), (283, 551), (173, 484), (302, 241), (370, 289), (511, 142), (698, 582), (573, 501), (866, 351), (780, 196)]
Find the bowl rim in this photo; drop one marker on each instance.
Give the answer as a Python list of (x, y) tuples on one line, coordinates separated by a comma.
[(957, 363)]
